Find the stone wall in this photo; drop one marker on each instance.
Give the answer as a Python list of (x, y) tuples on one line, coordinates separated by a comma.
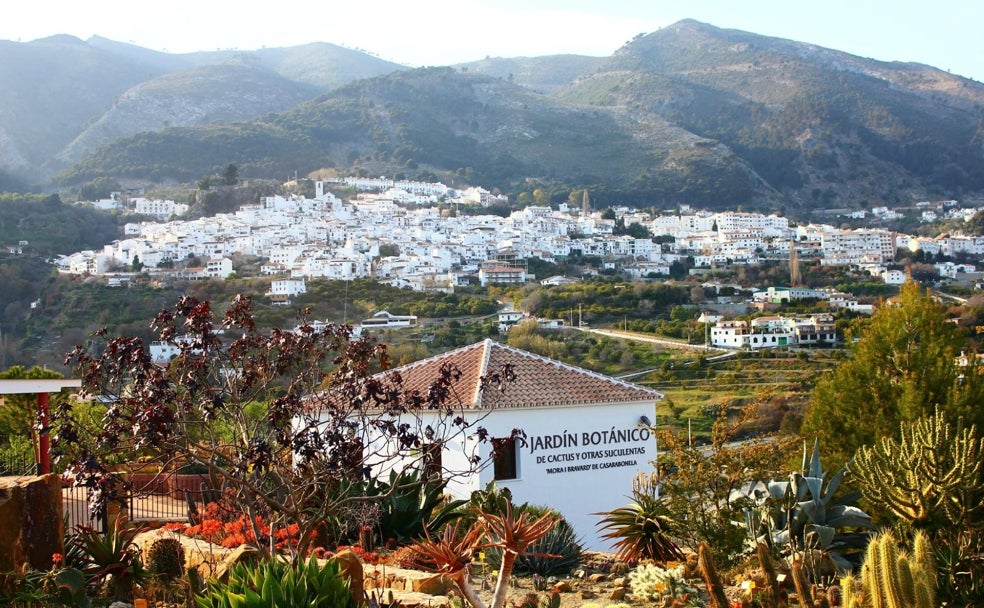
[(31, 523)]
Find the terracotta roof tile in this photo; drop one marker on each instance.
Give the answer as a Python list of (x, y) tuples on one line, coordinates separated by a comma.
[(539, 382)]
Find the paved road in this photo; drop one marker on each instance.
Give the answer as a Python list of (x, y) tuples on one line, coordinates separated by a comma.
[(628, 335)]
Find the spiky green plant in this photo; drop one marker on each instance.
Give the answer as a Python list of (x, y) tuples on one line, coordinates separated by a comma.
[(891, 578), (806, 512), (273, 582), (931, 477), (640, 530), (111, 557)]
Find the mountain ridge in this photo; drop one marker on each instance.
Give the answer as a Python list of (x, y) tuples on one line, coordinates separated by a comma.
[(690, 113)]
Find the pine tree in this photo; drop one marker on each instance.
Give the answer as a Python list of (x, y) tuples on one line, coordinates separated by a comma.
[(902, 368)]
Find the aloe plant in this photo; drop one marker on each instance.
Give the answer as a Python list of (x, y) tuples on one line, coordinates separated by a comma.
[(513, 534), (804, 512), (112, 556), (305, 584)]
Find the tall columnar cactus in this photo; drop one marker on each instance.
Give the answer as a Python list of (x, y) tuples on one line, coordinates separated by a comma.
[(891, 578), (715, 588), (931, 477)]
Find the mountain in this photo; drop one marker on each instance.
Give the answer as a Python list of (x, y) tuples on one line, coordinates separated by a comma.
[(688, 114), (541, 74), (197, 96), (62, 96), (486, 129), (821, 126)]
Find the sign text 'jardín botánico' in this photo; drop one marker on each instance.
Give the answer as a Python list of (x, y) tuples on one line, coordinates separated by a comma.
[(589, 450)]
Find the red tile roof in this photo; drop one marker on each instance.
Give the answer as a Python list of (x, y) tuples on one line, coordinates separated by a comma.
[(539, 381)]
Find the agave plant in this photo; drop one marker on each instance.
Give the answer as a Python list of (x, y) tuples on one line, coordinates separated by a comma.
[(802, 513), (640, 530), (112, 557)]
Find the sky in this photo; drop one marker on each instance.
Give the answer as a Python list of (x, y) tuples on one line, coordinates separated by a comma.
[(943, 33)]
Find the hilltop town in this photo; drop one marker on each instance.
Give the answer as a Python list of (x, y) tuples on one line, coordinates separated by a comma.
[(430, 237)]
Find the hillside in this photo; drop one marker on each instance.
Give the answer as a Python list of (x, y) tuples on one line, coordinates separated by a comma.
[(688, 114), (485, 129), (198, 96), (63, 97), (823, 127)]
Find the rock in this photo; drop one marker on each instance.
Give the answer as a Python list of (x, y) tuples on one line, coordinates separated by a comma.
[(242, 553), (617, 594), (198, 553), (350, 567), (587, 594), (621, 581), (597, 577), (31, 524), (431, 584), (562, 587)]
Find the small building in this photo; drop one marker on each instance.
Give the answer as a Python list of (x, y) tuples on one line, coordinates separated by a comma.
[(584, 435), (385, 319)]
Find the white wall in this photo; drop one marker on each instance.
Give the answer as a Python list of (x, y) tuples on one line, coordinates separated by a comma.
[(570, 461)]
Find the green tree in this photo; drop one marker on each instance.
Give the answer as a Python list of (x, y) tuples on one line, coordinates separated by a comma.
[(901, 369), (230, 175)]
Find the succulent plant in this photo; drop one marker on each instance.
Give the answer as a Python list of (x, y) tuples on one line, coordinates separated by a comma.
[(650, 582), (802, 514), (890, 577), (165, 558)]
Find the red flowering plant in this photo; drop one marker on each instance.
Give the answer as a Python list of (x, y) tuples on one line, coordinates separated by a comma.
[(281, 418), (229, 529), (369, 557)]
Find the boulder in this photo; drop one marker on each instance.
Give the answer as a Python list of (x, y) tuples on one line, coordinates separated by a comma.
[(350, 567), (31, 523), (198, 553)]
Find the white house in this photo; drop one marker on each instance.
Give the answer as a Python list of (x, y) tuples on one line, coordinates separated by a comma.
[(586, 434)]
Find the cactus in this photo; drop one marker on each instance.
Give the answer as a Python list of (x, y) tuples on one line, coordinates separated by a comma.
[(931, 473), (851, 592), (165, 558), (892, 579), (651, 582), (705, 562), (803, 588), (552, 602), (769, 570)]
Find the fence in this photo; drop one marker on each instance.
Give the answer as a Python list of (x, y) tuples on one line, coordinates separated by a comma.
[(13, 464), (75, 505), (171, 501)]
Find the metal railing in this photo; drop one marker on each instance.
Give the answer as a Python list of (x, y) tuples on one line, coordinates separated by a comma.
[(17, 465)]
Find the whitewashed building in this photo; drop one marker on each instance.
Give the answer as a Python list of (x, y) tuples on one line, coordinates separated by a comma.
[(586, 434)]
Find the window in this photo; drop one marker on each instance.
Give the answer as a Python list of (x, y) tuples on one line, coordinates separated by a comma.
[(505, 461)]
